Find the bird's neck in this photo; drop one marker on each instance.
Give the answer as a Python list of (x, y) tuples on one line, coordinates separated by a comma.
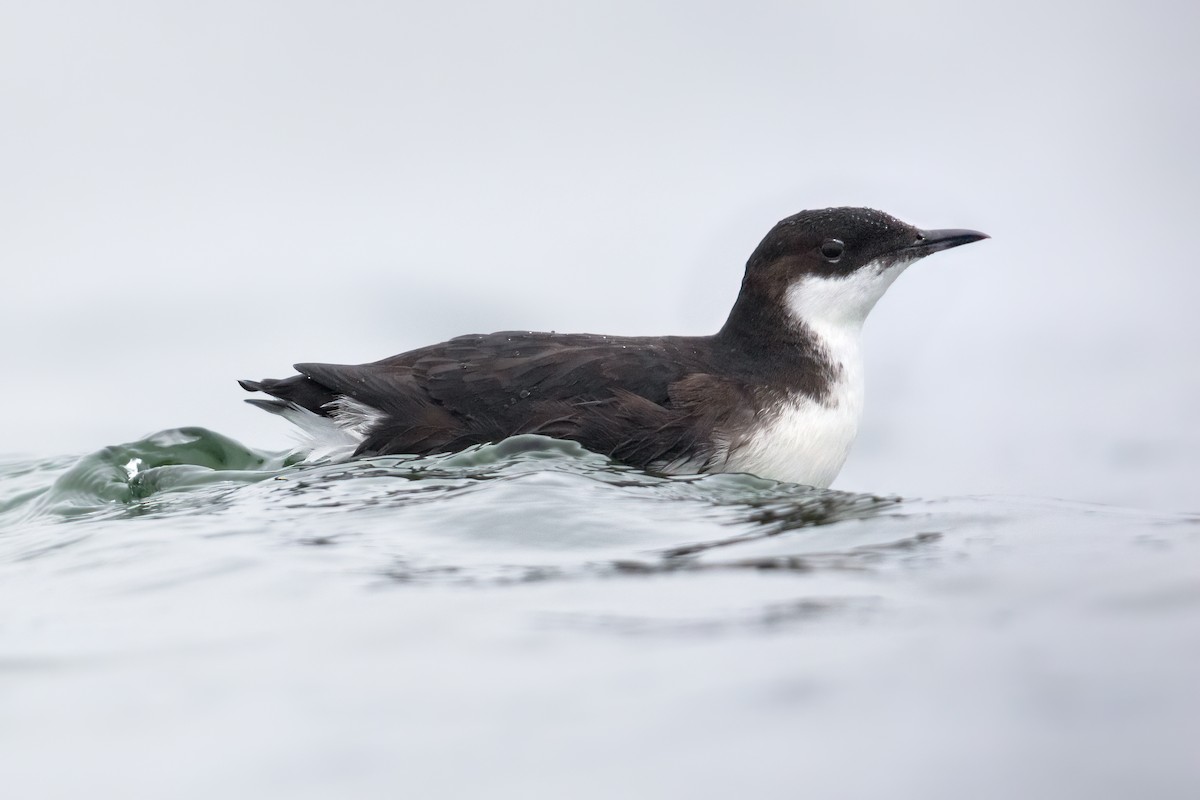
[(778, 320), (832, 312), (814, 358)]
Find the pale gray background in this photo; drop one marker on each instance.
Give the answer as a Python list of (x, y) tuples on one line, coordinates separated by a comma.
[(191, 193)]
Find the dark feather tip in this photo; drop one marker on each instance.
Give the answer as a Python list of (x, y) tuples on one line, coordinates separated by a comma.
[(274, 406)]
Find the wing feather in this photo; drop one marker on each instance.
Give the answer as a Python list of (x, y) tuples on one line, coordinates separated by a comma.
[(645, 402)]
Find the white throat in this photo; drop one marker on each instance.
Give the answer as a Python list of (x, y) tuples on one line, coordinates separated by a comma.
[(834, 310), (808, 440), (834, 305)]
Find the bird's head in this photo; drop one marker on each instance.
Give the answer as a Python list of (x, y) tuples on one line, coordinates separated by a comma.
[(829, 267)]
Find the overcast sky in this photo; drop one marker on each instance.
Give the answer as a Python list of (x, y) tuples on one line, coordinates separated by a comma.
[(192, 193)]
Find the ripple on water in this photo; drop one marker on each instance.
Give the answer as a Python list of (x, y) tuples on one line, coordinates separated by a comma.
[(184, 578)]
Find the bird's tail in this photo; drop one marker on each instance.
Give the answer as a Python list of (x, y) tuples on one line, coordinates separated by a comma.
[(327, 430)]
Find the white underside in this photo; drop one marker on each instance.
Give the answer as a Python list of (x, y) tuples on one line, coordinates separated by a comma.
[(804, 442), (334, 438)]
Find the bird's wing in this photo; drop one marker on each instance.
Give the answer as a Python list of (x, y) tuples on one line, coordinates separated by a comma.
[(636, 399)]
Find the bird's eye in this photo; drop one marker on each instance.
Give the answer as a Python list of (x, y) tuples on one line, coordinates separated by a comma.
[(832, 249)]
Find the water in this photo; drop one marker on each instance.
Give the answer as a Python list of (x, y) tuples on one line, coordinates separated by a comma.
[(185, 616)]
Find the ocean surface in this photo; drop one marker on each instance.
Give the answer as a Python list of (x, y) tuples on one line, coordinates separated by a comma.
[(184, 616)]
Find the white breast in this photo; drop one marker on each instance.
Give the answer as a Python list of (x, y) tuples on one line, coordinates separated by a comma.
[(806, 440)]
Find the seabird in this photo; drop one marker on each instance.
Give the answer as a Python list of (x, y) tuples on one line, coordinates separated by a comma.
[(777, 392)]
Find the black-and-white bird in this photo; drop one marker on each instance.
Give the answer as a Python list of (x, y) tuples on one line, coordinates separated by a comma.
[(777, 392)]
